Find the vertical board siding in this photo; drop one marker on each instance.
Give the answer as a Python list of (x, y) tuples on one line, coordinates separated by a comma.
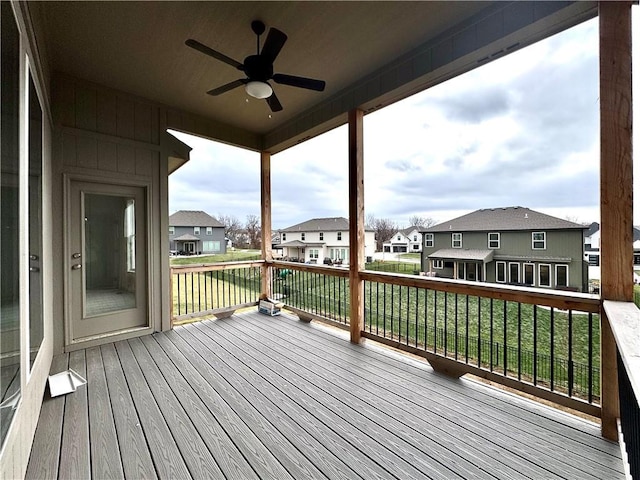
[(106, 112)]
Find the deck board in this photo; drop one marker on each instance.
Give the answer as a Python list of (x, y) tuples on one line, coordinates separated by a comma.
[(494, 424), (253, 396), (105, 451)]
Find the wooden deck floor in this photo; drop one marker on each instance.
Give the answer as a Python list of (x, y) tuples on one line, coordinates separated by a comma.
[(259, 397)]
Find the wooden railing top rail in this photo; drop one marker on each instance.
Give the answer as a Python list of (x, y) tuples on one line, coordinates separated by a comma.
[(624, 318), (306, 267), (537, 296), (209, 267)]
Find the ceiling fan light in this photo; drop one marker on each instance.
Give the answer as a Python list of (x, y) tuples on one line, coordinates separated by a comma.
[(258, 89)]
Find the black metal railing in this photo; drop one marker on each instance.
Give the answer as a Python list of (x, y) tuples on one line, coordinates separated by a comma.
[(556, 350), (207, 289), (629, 419), (322, 291), (394, 267)]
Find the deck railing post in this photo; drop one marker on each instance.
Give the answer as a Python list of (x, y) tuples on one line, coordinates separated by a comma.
[(265, 216), (616, 189), (356, 223)]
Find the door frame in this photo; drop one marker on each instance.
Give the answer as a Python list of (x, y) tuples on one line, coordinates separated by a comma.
[(153, 323)]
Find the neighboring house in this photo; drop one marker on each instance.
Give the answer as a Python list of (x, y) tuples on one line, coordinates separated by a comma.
[(592, 249), (513, 245), (194, 232), (404, 241), (276, 247), (314, 240)]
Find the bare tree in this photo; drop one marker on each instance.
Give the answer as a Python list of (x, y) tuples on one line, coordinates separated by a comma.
[(254, 231), (232, 227), (384, 229), (421, 222)]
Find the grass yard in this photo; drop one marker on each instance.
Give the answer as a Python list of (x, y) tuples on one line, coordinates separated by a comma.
[(234, 256), (410, 256)]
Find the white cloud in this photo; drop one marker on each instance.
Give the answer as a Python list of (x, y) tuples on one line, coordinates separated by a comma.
[(522, 130)]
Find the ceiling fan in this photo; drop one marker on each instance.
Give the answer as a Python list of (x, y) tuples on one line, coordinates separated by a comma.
[(259, 68)]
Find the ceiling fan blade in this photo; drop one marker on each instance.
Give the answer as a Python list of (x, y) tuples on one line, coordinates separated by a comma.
[(227, 87), (212, 53), (273, 44), (301, 82), (274, 103)]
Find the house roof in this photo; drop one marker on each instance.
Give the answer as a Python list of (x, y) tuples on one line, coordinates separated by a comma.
[(193, 218), (593, 228), (299, 244), (330, 224), (463, 254), (187, 237), (503, 219), (409, 46)]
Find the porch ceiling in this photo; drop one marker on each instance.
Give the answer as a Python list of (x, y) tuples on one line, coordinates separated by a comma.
[(362, 49)]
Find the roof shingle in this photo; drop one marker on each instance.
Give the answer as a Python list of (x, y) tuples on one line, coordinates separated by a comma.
[(504, 219), (193, 218)]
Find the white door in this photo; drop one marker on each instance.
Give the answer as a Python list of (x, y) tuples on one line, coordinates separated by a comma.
[(106, 261)]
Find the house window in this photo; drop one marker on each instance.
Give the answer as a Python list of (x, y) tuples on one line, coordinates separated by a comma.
[(313, 253), (539, 240), (544, 275), (514, 272), (283, 236), (321, 236), (209, 231), (528, 274), (398, 237), (196, 230), (415, 247), (501, 272), (456, 240), (594, 260), (211, 246), (562, 276), (439, 264), (339, 235), (415, 238), (428, 240), (494, 240), (172, 230), (302, 235), (130, 234)]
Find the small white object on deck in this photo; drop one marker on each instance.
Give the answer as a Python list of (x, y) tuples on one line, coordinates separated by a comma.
[(65, 382)]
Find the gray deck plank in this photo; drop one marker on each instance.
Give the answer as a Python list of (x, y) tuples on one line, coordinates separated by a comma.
[(45, 451), (75, 461), (495, 451), (166, 457), (134, 452), (230, 460), (254, 413), (261, 459), (582, 456), (105, 450), (192, 448), (331, 432), (444, 447), (254, 396)]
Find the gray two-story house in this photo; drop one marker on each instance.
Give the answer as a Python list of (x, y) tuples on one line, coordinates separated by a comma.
[(193, 232), (512, 245)]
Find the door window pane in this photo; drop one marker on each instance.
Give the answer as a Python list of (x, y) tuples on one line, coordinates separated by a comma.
[(528, 273), (9, 219), (109, 249), (36, 329)]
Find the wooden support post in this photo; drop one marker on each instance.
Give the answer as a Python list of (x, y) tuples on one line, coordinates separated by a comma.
[(265, 216), (616, 189), (356, 223)]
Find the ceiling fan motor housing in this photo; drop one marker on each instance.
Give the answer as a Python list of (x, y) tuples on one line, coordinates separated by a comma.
[(258, 68)]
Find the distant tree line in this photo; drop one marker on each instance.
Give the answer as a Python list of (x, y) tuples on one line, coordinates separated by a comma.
[(242, 235)]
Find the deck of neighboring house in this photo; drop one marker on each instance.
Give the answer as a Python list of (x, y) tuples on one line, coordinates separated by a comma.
[(253, 396)]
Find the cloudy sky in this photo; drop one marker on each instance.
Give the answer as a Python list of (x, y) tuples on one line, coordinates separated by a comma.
[(522, 130)]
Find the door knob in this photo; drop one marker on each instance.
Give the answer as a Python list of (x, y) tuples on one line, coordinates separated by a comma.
[(76, 255), (77, 266)]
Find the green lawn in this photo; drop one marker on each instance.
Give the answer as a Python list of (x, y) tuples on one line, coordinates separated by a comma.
[(410, 256), (234, 256)]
